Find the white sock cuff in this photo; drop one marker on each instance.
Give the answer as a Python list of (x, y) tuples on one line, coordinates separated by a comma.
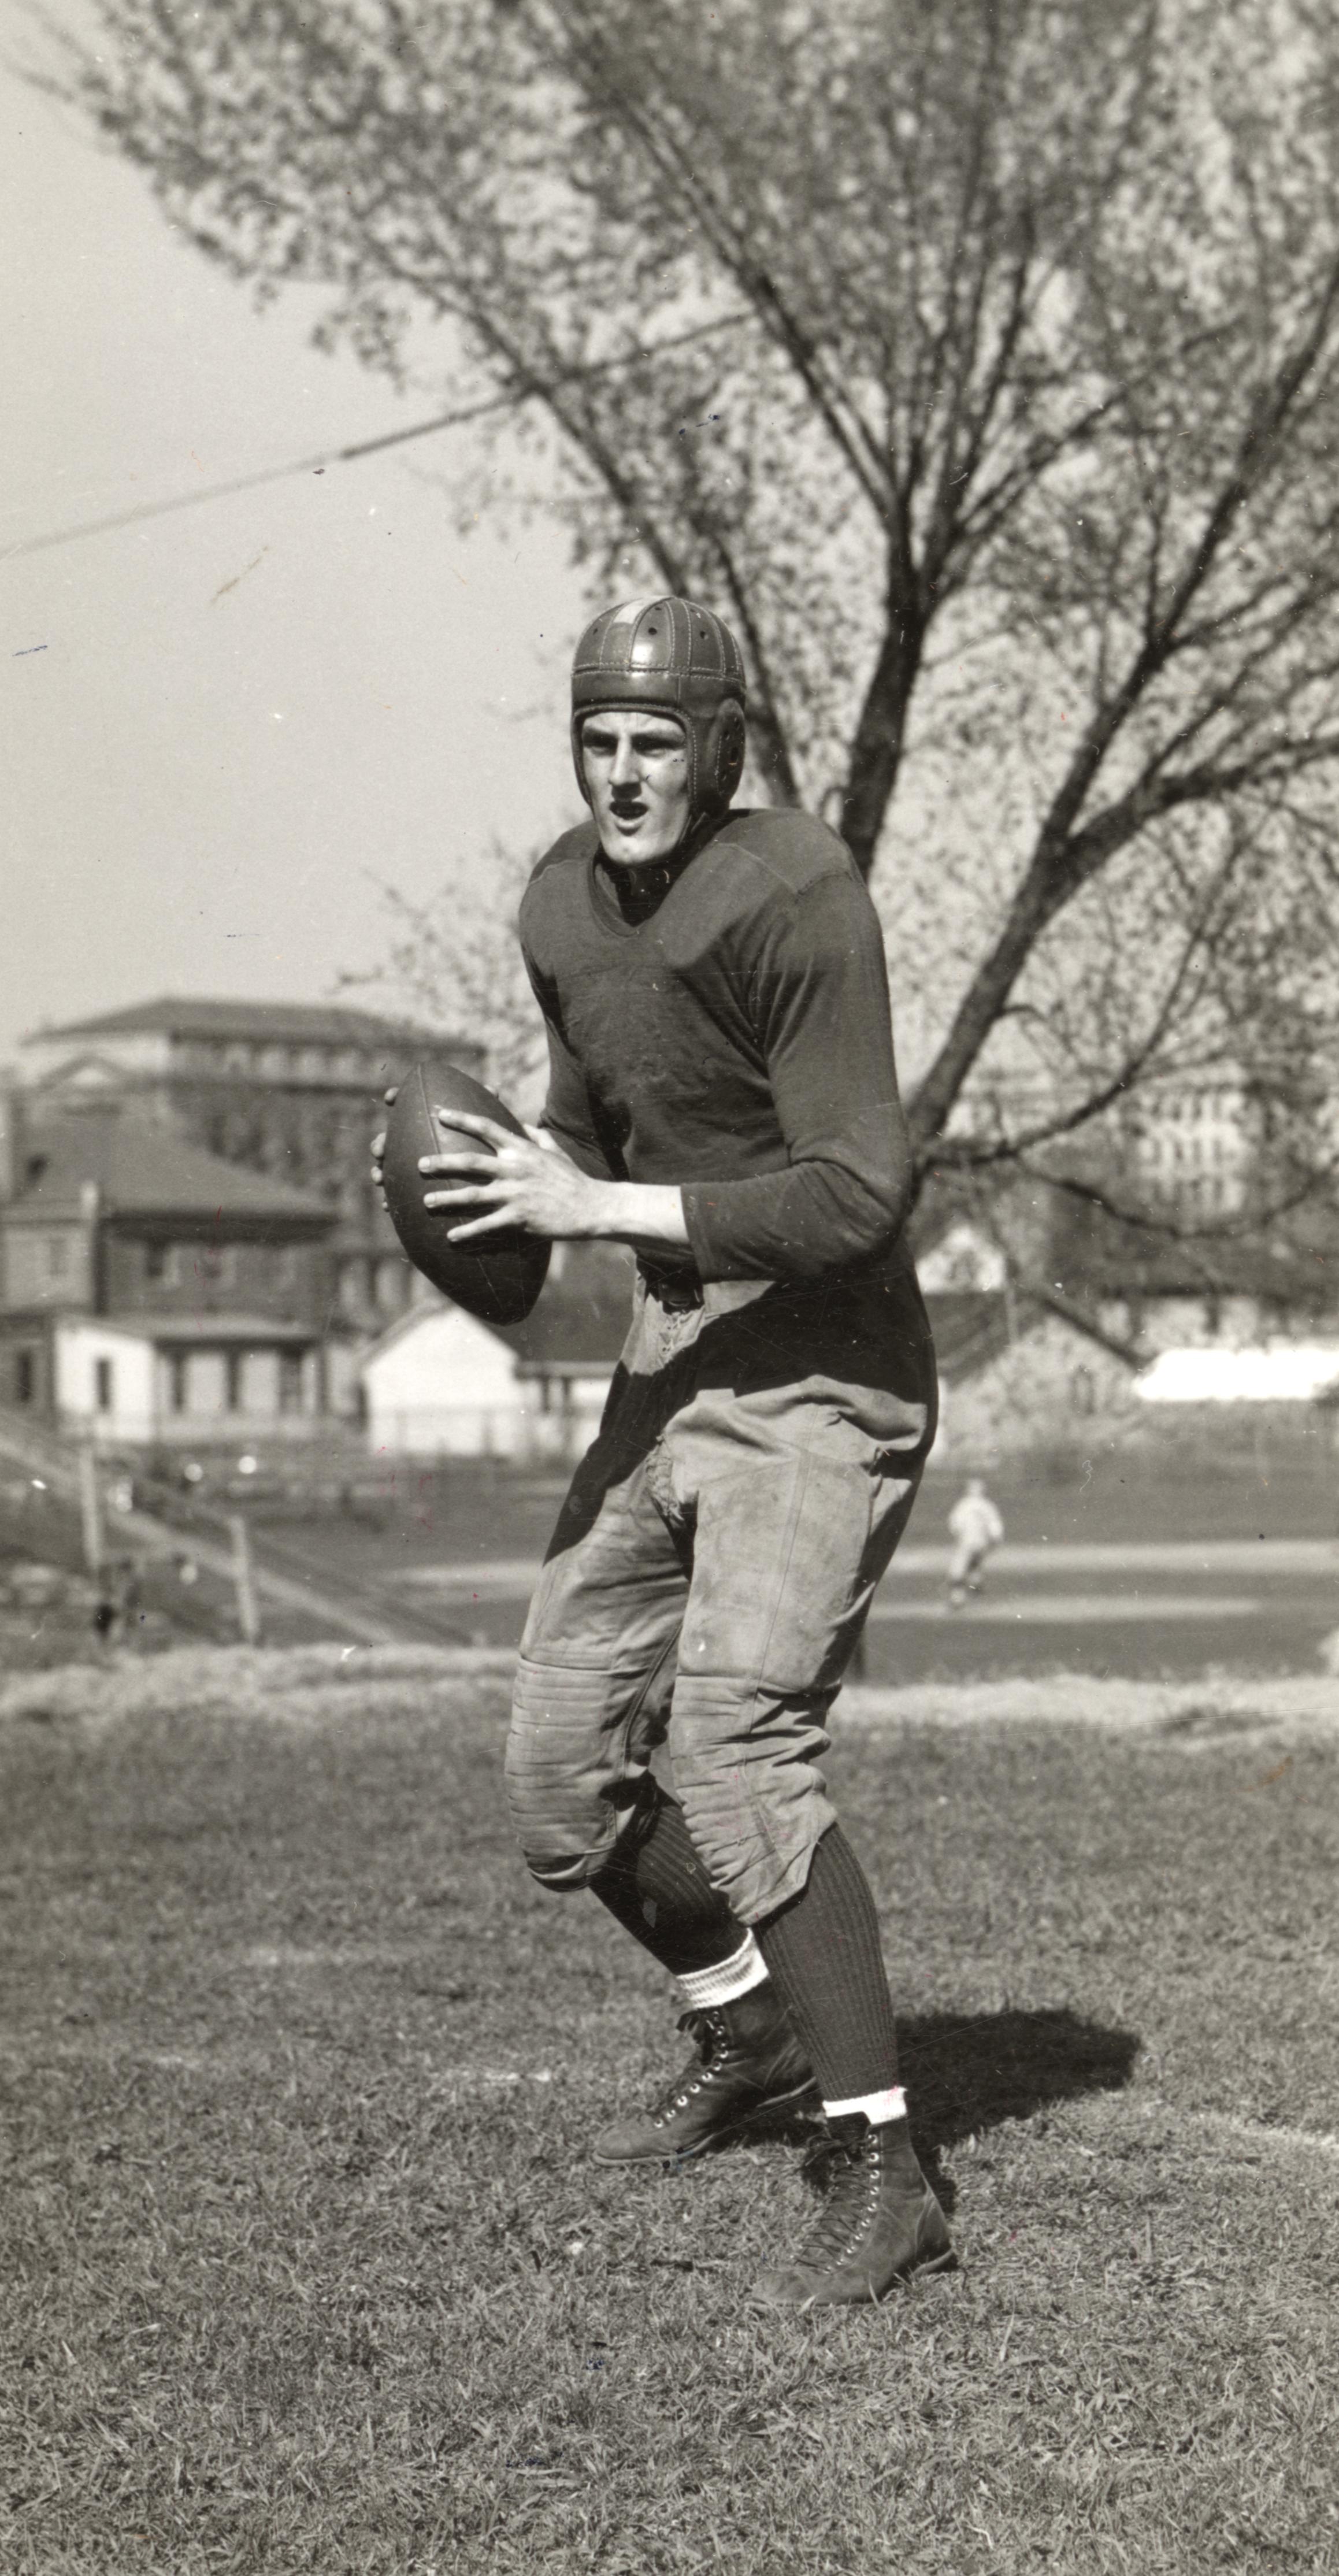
[(878, 2108), (702, 1988)]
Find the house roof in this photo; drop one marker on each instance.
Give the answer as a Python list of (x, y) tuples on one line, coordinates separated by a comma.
[(294, 1023), (1298, 1268), (141, 1168), (971, 1326), (580, 1320), (250, 1332), (582, 1313)]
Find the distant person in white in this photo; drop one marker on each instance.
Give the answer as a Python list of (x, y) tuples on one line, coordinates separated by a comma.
[(975, 1527)]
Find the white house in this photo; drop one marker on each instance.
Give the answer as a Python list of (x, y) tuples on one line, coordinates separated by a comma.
[(441, 1384), (236, 1378), (1274, 1372)]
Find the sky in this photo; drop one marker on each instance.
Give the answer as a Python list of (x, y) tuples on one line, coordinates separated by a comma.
[(225, 730)]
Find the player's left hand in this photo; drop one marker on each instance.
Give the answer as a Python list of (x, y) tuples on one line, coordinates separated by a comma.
[(526, 1181)]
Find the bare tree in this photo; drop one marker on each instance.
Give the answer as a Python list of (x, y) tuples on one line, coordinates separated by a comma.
[(458, 960), (981, 361)]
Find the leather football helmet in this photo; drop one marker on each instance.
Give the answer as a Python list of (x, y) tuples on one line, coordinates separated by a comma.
[(678, 658)]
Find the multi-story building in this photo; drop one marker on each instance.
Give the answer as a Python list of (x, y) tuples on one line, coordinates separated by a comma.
[(1191, 1145), (153, 1294), (1191, 1148), (290, 1090)]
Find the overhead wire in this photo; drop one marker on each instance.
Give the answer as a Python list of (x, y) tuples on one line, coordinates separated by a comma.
[(316, 464), (356, 448)]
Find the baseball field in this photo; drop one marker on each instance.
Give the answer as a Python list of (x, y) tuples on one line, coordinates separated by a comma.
[(308, 2270)]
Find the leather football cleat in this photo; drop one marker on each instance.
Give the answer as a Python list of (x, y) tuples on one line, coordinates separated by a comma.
[(748, 2061), (879, 2223)]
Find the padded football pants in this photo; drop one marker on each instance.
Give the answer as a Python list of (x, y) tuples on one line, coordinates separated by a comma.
[(710, 1574)]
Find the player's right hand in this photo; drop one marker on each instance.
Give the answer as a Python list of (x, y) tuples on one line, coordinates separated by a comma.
[(379, 1143)]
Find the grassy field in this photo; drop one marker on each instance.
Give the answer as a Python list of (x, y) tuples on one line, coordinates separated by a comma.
[(307, 2269)]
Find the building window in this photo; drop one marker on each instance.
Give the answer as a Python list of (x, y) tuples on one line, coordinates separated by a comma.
[(290, 1381), (233, 1375), (25, 1377), (213, 1263), (390, 1284), (162, 1264), (103, 1385), (58, 1256), (176, 1382)]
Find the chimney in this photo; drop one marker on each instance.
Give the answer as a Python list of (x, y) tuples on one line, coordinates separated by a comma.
[(99, 1118), (13, 1147), (90, 1209)]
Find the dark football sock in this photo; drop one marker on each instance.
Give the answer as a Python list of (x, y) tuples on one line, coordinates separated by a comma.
[(657, 1888), (823, 1956)]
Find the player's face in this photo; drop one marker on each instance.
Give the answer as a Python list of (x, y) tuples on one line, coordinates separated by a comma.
[(637, 772)]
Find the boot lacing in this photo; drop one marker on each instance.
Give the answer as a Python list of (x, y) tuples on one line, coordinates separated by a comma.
[(839, 2228), (711, 2039)]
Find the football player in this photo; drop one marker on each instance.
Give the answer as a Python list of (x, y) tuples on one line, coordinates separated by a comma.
[(722, 1097)]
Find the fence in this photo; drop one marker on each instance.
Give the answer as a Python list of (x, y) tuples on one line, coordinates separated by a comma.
[(526, 1436), (216, 1571)]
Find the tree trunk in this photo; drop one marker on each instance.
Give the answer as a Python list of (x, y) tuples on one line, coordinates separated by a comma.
[(876, 753)]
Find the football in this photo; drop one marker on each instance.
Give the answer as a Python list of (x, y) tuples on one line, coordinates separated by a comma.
[(498, 1276)]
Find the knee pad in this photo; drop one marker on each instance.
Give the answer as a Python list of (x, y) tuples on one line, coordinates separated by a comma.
[(565, 1771), (747, 1773)]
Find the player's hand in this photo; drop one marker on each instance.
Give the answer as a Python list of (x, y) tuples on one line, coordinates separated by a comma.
[(526, 1181), (379, 1143)]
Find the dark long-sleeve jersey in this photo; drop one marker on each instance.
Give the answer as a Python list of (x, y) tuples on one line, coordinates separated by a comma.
[(738, 1043)]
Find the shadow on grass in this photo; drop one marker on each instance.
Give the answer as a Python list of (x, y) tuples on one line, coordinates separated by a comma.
[(966, 2072)]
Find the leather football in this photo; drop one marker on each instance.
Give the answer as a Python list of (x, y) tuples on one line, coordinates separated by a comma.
[(496, 1277)]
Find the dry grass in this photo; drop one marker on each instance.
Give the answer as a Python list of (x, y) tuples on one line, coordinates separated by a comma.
[(308, 2268), (1227, 1704)]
